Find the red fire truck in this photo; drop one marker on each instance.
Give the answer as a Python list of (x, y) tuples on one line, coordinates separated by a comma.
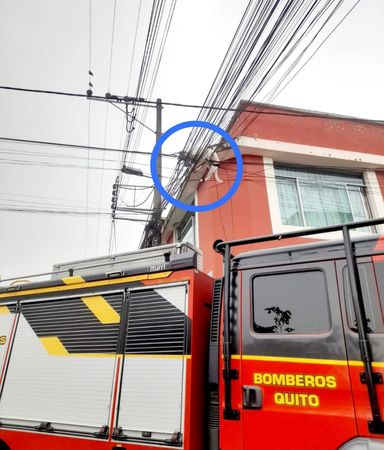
[(286, 351)]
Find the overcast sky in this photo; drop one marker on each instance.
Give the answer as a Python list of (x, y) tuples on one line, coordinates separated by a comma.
[(44, 44)]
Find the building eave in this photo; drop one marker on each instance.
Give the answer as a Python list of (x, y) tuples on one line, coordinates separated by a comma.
[(284, 151), (264, 108)]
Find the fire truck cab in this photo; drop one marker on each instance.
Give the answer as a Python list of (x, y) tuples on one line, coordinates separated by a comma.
[(146, 351), (107, 355), (302, 346)]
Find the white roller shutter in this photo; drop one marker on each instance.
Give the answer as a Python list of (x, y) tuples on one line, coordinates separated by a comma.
[(62, 365), (152, 391)]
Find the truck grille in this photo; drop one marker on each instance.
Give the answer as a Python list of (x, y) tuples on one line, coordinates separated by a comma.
[(213, 410), (216, 302)]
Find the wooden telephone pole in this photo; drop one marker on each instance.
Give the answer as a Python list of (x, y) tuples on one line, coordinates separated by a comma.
[(156, 217)]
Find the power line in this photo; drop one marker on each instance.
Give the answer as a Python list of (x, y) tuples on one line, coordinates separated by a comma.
[(90, 88), (106, 120), (53, 211), (90, 35), (152, 103), (112, 42), (40, 155), (23, 162), (87, 180), (69, 212), (242, 77), (149, 68), (77, 146), (134, 119), (278, 88), (44, 91), (19, 152), (151, 60), (15, 202)]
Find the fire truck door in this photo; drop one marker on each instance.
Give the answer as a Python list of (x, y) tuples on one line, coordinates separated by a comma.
[(371, 276), (296, 391)]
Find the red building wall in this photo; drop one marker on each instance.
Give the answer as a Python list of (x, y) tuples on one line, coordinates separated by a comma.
[(247, 213), (380, 179), (300, 127)]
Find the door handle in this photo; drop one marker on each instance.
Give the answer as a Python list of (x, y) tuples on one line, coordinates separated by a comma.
[(252, 397)]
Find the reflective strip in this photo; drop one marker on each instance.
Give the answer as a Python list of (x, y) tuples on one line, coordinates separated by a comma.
[(329, 362), (53, 346), (87, 284), (101, 309), (4, 310), (155, 276), (338, 362), (73, 280)]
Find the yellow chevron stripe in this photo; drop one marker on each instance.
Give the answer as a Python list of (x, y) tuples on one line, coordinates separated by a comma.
[(53, 346), (4, 310), (87, 285), (101, 309), (155, 276), (73, 280)]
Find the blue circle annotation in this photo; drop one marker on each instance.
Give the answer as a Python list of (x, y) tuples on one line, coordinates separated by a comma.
[(197, 208)]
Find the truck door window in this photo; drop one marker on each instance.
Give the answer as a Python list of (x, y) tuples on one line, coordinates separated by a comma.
[(370, 299), (291, 303)]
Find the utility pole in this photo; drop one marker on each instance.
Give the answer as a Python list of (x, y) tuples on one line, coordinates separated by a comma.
[(156, 238), (152, 231)]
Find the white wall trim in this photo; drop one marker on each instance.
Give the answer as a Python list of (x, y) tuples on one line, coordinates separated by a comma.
[(273, 199), (374, 195), (196, 224), (307, 154)]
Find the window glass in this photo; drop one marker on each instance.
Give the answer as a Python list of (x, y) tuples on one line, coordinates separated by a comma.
[(289, 201), (186, 230), (316, 198), (325, 205), (291, 303), (379, 278), (358, 205), (370, 299)]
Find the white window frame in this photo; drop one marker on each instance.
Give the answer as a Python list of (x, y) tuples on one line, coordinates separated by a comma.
[(179, 232), (374, 199), (341, 186)]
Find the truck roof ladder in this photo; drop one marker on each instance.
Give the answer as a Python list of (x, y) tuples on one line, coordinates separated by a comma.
[(376, 425)]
